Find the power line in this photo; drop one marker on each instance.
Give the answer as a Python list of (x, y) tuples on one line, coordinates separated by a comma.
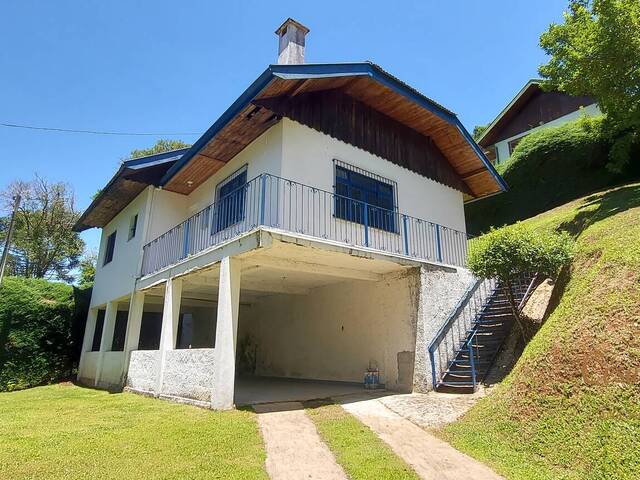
[(96, 132)]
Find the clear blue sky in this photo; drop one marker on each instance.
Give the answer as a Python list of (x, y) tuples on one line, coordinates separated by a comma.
[(167, 66)]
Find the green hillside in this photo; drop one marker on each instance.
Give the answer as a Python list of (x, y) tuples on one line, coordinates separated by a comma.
[(571, 406), (549, 168)]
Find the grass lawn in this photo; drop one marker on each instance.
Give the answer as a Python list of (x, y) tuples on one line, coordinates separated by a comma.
[(356, 448), (570, 409), (64, 431)]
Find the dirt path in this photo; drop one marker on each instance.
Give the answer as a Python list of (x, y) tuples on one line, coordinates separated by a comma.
[(429, 456), (294, 448)]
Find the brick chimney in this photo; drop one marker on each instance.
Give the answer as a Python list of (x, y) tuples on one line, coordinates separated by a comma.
[(291, 42)]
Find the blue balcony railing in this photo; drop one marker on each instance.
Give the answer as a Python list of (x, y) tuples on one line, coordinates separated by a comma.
[(278, 203)]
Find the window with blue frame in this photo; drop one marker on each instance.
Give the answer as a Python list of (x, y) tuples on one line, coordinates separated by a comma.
[(230, 201), (365, 199)]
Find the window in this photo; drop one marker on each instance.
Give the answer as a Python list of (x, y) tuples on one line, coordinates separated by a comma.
[(133, 225), (357, 190), (119, 331), (97, 332), (230, 200), (111, 245)]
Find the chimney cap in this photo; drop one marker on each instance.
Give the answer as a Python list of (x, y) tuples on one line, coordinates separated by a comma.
[(290, 21)]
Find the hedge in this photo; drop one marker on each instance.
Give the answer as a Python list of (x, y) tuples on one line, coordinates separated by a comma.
[(40, 331), (549, 168)]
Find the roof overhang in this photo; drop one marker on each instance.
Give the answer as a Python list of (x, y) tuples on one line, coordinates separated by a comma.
[(489, 136), (244, 121), (130, 180)]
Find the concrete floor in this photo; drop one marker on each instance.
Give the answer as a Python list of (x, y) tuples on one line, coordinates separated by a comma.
[(256, 390)]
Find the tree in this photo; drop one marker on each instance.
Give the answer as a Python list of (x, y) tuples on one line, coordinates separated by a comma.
[(44, 245), (478, 130), (596, 51), (161, 146), (509, 252), (88, 269)]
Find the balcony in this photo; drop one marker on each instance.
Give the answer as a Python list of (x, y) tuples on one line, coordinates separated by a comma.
[(280, 204)]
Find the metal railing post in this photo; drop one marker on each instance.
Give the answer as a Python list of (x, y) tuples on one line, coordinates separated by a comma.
[(263, 196), (406, 235), (433, 369), (185, 240), (366, 224), (438, 246), (472, 363)]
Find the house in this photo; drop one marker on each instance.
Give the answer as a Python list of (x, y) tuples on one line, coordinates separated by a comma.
[(316, 231), (532, 109)]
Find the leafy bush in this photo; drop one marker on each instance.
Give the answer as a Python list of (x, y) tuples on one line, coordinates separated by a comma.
[(548, 168), (508, 252), (36, 321)]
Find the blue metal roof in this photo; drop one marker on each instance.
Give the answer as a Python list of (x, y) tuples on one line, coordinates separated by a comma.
[(329, 70)]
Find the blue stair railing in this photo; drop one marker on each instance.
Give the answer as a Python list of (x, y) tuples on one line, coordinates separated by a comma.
[(455, 352), (453, 336)]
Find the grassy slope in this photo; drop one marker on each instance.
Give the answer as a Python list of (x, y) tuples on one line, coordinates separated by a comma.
[(571, 406), (70, 432), (356, 448)]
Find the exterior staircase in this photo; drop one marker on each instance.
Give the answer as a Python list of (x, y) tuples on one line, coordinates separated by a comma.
[(468, 360)]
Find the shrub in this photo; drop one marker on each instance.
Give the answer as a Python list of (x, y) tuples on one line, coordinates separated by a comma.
[(549, 168), (508, 252), (36, 320)]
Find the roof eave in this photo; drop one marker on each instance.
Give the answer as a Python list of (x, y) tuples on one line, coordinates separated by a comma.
[(326, 70), (80, 226), (127, 165)]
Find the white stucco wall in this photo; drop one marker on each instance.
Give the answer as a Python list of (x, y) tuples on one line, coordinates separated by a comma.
[(307, 157), (336, 331), (115, 279), (167, 210), (112, 368), (289, 150), (502, 147), (88, 366)]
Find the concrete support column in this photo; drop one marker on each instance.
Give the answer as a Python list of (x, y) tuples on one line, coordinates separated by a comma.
[(107, 336), (134, 322), (224, 368), (170, 317), (87, 340)]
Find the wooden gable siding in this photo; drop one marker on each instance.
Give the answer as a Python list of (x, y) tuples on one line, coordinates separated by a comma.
[(349, 120), (465, 162), (541, 108)]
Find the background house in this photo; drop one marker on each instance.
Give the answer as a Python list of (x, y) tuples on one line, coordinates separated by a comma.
[(314, 231), (530, 110)]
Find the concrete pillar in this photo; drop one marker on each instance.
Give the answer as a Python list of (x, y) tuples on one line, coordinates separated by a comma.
[(134, 322), (107, 336), (89, 330), (224, 368), (170, 317)]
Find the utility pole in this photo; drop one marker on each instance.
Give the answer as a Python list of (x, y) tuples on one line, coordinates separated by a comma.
[(7, 242)]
